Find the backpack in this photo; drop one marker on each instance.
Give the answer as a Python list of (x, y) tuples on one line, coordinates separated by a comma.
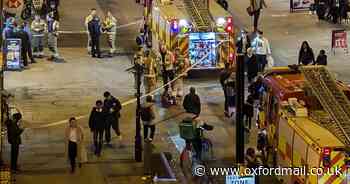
[(146, 114)]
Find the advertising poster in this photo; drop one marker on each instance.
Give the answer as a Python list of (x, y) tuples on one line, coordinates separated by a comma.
[(339, 39), (233, 179), (202, 49), (300, 4), (13, 54)]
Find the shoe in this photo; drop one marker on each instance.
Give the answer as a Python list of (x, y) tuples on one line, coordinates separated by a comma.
[(93, 56), (150, 139), (33, 61), (99, 57)]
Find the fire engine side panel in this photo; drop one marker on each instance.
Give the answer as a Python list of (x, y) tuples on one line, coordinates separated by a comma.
[(299, 154), (313, 161), (285, 137)]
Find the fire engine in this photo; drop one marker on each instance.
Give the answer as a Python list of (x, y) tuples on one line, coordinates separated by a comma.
[(306, 113), (201, 29)]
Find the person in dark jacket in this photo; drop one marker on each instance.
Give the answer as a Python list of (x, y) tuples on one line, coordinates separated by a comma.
[(97, 125), (14, 138), (26, 45), (306, 55), (94, 27), (252, 65), (225, 74), (249, 111), (112, 106), (243, 43), (321, 58), (192, 102)]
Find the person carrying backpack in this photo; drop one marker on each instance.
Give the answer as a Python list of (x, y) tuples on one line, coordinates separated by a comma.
[(147, 117)]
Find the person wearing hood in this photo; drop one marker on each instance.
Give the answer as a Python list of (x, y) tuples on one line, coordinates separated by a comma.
[(147, 117)]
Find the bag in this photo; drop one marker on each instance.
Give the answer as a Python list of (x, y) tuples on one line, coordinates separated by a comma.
[(139, 40), (187, 129), (146, 114), (250, 11), (270, 61)]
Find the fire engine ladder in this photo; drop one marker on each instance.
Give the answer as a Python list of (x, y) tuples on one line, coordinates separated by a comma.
[(199, 14), (333, 100)]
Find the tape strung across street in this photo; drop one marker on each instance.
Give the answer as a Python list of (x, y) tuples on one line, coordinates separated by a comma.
[(118, 27), (128, 102)]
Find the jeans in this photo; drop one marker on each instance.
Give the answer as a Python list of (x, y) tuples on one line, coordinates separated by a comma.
[(98, 140), (38, 44), (14, 156), (52, 44), (145, 131), (113, 122), (256, 19), (95, 46), (72, 153), (168, 75), (261, 60)]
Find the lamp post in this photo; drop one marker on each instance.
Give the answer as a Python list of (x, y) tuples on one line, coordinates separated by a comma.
[(138, 139), (239, 108)]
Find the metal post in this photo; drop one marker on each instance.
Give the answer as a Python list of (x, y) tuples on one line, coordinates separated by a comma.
[(2, 109), (138, 139), (239, 108)]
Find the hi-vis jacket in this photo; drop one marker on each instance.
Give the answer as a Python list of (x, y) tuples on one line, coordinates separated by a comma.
[(110, 24), (38, 27)]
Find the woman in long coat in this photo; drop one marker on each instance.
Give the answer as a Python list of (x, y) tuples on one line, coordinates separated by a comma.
[(74, 139)]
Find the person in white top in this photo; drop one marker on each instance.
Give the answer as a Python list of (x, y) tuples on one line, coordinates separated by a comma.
[(86, 22), (261, 48), (74, 138)]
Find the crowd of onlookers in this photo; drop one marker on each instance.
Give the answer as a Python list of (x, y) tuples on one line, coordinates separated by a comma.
[(33, 32)]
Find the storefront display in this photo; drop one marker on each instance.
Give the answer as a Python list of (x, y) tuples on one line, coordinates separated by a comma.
[(202, 47), (300, 4), (13, 54)]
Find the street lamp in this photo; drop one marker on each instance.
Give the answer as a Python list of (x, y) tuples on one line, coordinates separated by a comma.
[(138, 139)]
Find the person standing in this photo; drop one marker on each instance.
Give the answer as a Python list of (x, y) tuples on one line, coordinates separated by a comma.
[(262, 48), (147, 117), (110, 26), (97, 125), (243, 43), (181, 66), (92, 14), (168, 74), (38, 29), (74, 137), (150, 73), (231, 93), (249, 111), (25, 48), (256, 7), (8, 31), (14, 132), (306, 54), (252, 65), (52, 28), (321, 58), (225, 74), (112, 106), (26, 28), (95, 33), (192, 102)]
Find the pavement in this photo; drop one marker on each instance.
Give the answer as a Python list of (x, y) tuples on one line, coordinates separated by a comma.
[(50, 92), (286, 31)]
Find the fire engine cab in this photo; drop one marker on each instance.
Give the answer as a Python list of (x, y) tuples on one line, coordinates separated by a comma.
[(307, 115)]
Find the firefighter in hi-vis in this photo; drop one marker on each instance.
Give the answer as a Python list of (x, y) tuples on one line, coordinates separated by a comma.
[(181, 65), (52, 29), (150, 73), (110, 27), (38, 32)]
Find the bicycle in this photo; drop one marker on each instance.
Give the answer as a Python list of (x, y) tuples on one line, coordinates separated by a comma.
[(189, 157)]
